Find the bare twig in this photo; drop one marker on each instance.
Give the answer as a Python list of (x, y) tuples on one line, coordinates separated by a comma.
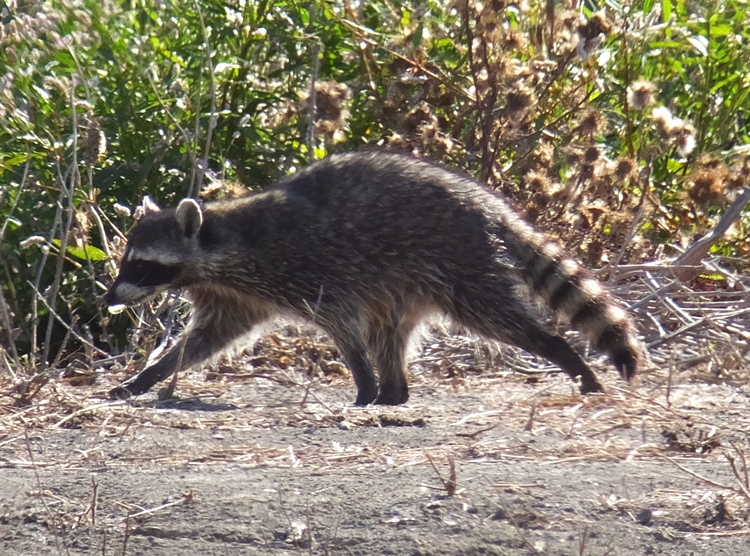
[(312, 99), (451, 482), (67, 192), (700, 248), (203, 163), (67, 326)]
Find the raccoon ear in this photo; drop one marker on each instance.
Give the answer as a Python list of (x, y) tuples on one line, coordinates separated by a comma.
[(189, 217), (149, 205)]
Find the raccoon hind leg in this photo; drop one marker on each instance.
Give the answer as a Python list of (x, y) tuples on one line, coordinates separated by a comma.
[(493, 308), (387, 339), (347, 335)]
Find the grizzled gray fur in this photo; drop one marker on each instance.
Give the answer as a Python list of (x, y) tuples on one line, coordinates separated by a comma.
[(366, 245)]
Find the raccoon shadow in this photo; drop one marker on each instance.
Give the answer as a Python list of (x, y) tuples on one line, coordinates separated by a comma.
[(194, 403)]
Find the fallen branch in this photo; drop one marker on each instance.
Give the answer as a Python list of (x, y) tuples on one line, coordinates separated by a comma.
[(698, 251)]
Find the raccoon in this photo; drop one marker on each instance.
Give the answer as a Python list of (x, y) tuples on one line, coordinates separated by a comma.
[(366, 245)]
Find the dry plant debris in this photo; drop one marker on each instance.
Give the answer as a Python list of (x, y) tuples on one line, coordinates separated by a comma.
[(688, 415)]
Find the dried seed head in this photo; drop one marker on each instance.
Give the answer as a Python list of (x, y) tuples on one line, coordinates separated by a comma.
[(331, 111), (624, 168), (745, 167), (121, 210), (572, 157), (221, 190), (592, 154), (80, 227), (590, 124), (536, 182), (684, 136), (706, 188), (679, 132), (664, 121), (532, 212), (544, 156), (418, 116), (96, 143), (597, 25), (518, 101), (708, 181), (641, 94), (587, 171), (512, 41), (591, 34)]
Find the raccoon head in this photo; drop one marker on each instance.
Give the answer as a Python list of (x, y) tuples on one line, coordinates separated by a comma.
[(159, 252)]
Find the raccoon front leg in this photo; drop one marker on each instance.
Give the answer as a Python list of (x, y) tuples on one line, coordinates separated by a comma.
[(198, 344), (163, 368)]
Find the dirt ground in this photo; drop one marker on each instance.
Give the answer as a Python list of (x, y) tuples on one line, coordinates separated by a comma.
[(254, 459)]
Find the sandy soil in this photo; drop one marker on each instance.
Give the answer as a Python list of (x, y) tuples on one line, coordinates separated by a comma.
[(257, 460)]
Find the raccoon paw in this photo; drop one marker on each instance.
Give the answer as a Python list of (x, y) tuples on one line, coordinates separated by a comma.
[(120, 393), (392, 397), (365, 397), (626, 361), (591, 386)]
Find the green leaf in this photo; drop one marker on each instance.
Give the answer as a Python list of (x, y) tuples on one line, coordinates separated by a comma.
[(405, 17), (721, 30), (654, 45), (417, 37), (86, 253), (13, 160)]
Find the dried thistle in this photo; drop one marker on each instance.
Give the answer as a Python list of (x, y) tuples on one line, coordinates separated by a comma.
[(222, 190), (422, 114), (544, 156), (80, 227), (664, 121), (739, 174), (641, 94), (331, 111), (121, 210), (537, 182), (588, 171), (624, 168), (684, 136), (592, 33), (590, 124), (96, 143), (517, 102), (707, 182), (676, 130), (595, 26), (592, 154)]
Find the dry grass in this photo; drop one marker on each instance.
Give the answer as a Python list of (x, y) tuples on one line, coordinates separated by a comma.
[(678, 411)]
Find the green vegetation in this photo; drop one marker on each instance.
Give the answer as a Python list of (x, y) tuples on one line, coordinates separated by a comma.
[(609, 123)]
